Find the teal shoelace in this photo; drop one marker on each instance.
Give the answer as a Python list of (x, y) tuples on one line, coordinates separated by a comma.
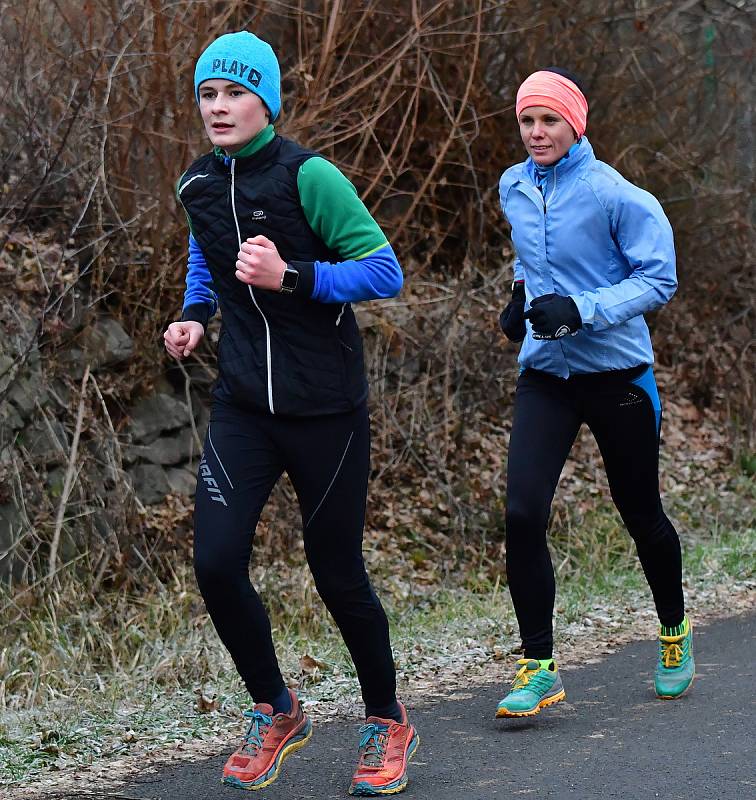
[(374, 742), (259, 725)]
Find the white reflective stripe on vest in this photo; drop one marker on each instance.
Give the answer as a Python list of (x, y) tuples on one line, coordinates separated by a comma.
[(254, 299)]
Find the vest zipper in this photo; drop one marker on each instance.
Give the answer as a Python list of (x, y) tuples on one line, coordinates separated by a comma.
[(254, 299)]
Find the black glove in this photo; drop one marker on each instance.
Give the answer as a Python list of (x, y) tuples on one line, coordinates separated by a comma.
[(553, 316), (511, 319)]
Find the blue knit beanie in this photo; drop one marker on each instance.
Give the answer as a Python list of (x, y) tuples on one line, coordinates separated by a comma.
[(245, 59)]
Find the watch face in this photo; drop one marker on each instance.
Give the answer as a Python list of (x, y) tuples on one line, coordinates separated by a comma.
[(289, 280)]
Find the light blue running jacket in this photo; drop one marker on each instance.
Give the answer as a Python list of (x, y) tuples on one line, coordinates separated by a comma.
[(590, 234)]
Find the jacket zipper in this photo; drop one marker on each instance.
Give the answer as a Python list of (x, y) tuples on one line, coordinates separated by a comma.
[(553, 191), (542, 197), (254, 299), (551, 196)]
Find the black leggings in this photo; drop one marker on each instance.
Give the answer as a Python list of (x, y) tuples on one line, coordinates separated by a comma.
[(622, 410), (327, 459)]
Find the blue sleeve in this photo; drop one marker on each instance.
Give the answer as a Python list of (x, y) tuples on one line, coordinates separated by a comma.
[(505, 183), (377, 275), (199, 293), (518, 273), (644, 236)]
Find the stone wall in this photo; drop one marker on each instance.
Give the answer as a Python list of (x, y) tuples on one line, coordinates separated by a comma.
[(127, 456)]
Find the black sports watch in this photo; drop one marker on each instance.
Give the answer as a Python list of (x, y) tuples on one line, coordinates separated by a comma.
[(289, 279)]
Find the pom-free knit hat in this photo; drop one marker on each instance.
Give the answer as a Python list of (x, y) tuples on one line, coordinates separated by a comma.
[(246, 59), (553, 90)]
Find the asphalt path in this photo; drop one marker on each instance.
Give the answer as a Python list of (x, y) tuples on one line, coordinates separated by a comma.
[(610, 739)]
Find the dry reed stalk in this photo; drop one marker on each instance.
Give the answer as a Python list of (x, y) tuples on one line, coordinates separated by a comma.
[(69, 478)]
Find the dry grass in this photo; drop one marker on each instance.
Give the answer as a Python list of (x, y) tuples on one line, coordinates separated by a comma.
[(136, 674), (153, 630)]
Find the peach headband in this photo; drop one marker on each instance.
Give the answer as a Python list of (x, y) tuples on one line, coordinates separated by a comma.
[(560, 94)]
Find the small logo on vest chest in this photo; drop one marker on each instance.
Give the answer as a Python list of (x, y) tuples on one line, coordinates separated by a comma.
[(259, 216)]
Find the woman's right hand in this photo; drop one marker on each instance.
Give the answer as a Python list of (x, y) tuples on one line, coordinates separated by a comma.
[(511, 320), (181, 338)]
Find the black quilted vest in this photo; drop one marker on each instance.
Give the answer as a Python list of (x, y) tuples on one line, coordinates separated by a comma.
[(280, 353)]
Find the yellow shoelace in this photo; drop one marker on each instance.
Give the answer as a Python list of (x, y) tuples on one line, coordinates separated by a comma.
[(523, 676), (672, 653)]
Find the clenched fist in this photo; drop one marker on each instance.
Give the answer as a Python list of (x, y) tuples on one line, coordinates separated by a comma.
[(258, 264), (181, 338)]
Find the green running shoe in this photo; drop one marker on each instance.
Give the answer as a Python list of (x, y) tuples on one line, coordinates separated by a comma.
[(676, 668), (533, 688)]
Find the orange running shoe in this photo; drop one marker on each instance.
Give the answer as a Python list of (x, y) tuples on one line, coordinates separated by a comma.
[(268, 741), (385, 748)]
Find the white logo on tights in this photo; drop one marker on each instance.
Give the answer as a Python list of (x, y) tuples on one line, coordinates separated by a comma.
[(210, 482)]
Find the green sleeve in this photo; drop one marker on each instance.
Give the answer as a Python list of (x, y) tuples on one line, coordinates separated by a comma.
[(335, 212)]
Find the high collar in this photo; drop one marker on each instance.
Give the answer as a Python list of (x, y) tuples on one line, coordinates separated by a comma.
[(578, 154), (253, 146)]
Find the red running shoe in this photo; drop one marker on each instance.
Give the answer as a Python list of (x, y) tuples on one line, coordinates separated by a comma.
[(268, 741), (385, 748)]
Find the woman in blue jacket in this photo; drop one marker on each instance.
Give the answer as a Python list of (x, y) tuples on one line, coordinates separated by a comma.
[(593, 253)]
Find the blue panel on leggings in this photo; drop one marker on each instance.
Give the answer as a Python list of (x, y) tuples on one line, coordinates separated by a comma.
[(647, 382)]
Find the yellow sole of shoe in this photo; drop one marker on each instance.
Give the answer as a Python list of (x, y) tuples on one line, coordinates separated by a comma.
[(549, 701), (285, 753), (383, 792), (401, 787)]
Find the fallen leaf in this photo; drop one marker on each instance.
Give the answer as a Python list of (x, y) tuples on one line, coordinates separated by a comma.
[(206, 704), (308, 664)]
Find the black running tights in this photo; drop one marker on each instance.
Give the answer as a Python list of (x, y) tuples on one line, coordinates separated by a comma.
[(327, 460), (623, 412)]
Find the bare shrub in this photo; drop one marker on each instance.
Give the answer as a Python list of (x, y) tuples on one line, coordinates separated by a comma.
[(414, 101)]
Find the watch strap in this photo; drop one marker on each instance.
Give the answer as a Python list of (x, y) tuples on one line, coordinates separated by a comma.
[(306, 282)]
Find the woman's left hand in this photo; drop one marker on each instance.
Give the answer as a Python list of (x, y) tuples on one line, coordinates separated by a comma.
[(553, 316), (258, 264)]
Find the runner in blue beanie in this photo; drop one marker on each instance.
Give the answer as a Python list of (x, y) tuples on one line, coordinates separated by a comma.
[(281, 242)]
